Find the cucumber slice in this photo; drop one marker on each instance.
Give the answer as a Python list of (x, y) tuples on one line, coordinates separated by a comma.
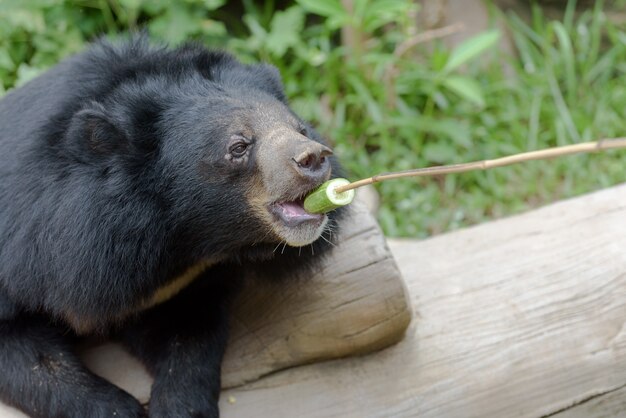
[(325, 198)]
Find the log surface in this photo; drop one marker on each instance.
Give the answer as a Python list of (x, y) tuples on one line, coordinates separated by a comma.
[(522, 317)]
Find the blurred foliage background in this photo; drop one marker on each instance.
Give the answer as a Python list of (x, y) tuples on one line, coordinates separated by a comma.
[(389, 94)]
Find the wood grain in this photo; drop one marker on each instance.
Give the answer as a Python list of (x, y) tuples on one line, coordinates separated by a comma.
[(522, 317), (605, 404), (356, 303)]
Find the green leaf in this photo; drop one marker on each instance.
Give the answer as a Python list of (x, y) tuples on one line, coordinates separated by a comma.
[(154, 7), (439, 152), (364, 95), (258, 32), (285, 30), (176, 25), (5, 60), (30, 20), (213, 29), (326, 8), (465, 87), (7, 6), (382, 12), (470, 49), (25, 73), (359, 7), (568, 58), (213, 4), (453, 129), (130, 4)]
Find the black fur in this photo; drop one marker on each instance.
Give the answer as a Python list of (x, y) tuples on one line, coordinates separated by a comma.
[(101, 203)]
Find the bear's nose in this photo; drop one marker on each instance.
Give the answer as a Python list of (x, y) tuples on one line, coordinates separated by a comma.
[(313, 163)]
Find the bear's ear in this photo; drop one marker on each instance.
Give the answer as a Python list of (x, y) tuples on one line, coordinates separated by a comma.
[(92, 131), (270, 80)]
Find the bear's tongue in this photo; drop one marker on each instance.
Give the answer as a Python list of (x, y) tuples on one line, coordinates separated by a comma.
[(293, 213)]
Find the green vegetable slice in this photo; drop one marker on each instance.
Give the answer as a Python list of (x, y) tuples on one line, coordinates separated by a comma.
[(325, 198)]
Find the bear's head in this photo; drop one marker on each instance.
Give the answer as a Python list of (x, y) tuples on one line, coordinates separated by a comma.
[(209, 141)]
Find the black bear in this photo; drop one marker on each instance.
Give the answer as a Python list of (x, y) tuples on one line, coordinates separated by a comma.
[(138, 184)]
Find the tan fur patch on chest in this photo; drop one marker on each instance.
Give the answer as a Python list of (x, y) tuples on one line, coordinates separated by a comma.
[(171, 289), (84, 325)]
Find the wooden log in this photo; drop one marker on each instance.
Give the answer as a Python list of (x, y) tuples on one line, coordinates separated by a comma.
[(522, 317), (611, 403), (356, 303)]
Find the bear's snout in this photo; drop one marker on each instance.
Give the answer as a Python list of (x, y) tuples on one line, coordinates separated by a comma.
[(312, 162)]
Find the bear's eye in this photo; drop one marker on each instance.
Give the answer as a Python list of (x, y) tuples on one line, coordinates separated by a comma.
[(238, 150)]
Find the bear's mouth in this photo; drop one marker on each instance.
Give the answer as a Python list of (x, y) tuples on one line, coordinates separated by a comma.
[(292, 213), (292, 224)]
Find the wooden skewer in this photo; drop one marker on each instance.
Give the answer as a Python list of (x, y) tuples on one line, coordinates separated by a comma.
[(585, 147)]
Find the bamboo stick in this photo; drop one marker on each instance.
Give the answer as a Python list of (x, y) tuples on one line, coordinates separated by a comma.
[(585, 147)]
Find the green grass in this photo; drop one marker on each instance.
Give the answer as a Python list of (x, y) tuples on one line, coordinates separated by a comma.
[(386, 111), (567, 86)]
